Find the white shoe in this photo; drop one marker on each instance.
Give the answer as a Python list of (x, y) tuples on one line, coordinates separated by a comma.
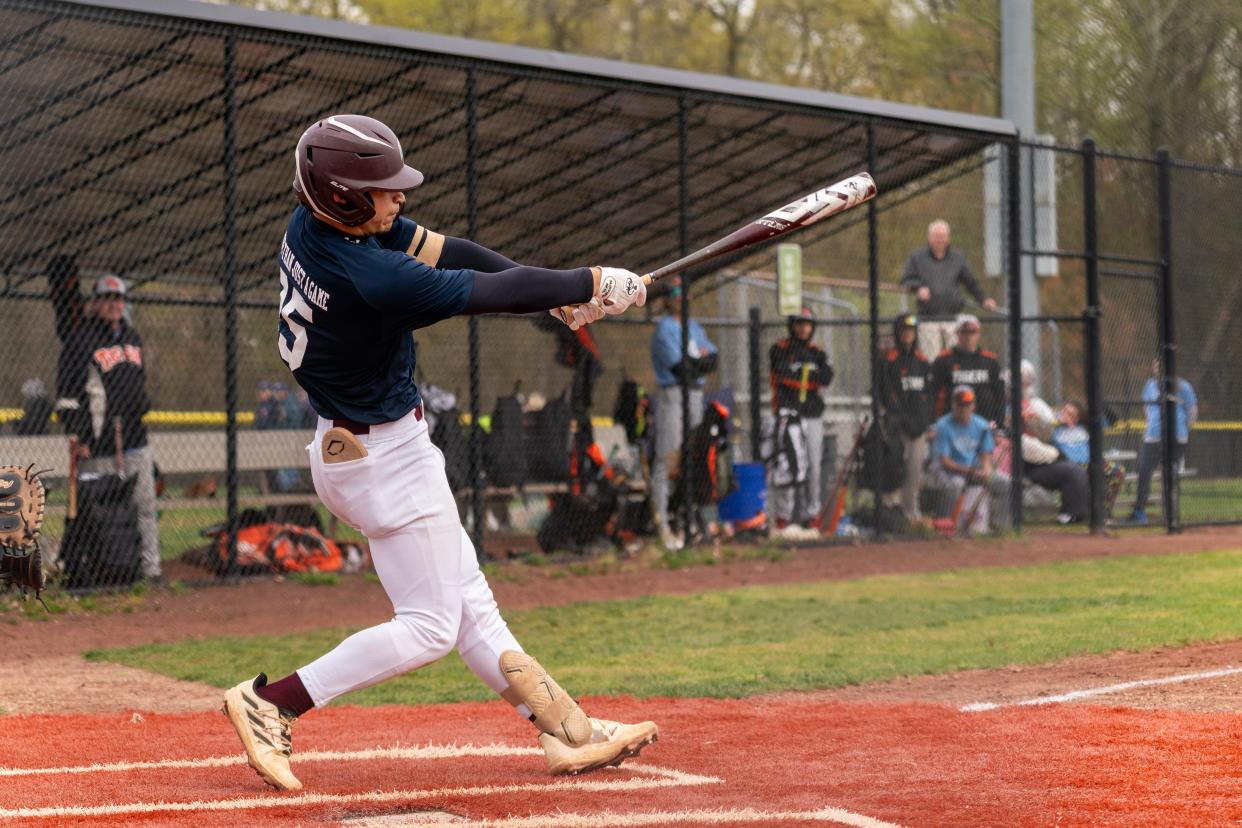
[(611, 744), (265, 733), (671, 541)]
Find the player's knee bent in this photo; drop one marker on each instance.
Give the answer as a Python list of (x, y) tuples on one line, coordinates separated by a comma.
[(432, 634)]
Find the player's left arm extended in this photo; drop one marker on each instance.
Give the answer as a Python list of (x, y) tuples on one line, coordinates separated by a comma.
[(501, 285), (450, 252)]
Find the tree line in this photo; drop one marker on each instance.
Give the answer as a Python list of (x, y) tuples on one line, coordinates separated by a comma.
[(1133, 74)]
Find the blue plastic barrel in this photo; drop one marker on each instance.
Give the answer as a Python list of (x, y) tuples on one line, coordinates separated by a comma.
[(751, 494)]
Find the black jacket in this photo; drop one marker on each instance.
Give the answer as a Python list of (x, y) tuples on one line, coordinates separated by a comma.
[(945, 278), (905, 389), (101, 375), (788, 359), (979, 370)]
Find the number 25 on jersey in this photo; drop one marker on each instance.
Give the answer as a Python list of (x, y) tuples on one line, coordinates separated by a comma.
[(292, 303)]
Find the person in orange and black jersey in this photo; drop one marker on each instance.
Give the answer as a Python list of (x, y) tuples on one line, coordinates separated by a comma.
[(974, 367), (101, 379), (799, 371), (904, 377)]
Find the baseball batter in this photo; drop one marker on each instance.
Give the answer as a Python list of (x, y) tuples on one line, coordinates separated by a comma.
[(356, 278)]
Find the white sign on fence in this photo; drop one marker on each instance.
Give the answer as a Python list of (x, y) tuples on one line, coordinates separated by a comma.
[(789, 278)]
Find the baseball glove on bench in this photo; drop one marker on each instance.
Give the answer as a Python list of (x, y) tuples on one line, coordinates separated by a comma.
[(22, 498)]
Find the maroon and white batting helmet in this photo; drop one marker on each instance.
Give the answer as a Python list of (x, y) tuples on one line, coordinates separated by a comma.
[(342, 158)]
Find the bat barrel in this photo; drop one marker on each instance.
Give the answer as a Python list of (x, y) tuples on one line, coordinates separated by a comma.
[(833, 199)]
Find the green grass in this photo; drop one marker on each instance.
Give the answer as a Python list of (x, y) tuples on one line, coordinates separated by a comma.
[(1203, 500), (58, 602), (821, 635), (315, 578)]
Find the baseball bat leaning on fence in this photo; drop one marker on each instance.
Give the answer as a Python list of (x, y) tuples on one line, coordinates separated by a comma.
[(986, 485), (833, 199), (840, 488), (120, 453), (961, 498), (71, 511)]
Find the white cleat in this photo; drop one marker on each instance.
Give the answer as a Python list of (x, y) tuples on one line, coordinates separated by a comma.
[(264, 732), (611, 743)]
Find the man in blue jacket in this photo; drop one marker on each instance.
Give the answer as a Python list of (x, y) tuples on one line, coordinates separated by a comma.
[(672, 368), (1150, 453)]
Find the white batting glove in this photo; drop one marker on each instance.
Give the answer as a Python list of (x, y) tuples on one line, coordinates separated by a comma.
[(618, 289), (581, 315)]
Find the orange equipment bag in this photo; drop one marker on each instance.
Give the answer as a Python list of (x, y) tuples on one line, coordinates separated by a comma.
[(281, 547)]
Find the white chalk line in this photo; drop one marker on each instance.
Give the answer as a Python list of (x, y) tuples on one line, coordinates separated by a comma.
[(611, 819), (1102, 691), (424, 752), (663, 778)]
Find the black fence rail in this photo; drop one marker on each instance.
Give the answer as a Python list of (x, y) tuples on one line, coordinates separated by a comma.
[(161, 142)]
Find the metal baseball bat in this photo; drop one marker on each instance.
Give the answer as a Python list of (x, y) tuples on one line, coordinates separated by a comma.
[(986, 488), (813, 207)]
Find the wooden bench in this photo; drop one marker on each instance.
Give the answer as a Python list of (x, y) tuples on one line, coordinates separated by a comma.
[(184, 453), (187, 453)]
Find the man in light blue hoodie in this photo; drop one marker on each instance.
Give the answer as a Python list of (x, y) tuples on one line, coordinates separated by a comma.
[(1187, 413)]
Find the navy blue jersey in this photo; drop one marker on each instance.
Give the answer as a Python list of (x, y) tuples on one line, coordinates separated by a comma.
[(347, 307)]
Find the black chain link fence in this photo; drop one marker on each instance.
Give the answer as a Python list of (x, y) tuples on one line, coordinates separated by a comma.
[(1207, 293), (156, 149)]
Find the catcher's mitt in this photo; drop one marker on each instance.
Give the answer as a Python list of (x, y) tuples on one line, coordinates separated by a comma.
[(22, 499)]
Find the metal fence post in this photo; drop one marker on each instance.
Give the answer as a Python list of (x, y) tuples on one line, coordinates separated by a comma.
[(1168, 344), (1014, 262), (475, 362), (230, 295), (873, 321), (753, 333), (683, 226), (1091, 325)]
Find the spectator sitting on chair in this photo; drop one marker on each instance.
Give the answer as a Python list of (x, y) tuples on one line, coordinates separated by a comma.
[(1187, 414), (1072, 439), (1038, 417), (1045, 466), (905, 401), (102, 379), (799, 371), (936, 275), (968, 364), (672, 368), (961, 458)]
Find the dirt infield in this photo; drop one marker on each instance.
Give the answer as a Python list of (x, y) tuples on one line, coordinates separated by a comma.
[(1146, 738), (752, 762), (51, 647)]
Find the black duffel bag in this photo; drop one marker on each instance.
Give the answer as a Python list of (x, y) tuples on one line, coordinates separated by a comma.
[(883, 460), (101, 544)]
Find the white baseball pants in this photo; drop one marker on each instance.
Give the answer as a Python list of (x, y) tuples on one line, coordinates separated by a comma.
[(399, 498)]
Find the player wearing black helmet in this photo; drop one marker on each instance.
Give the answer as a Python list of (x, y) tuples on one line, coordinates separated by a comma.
[(904, 388), (799, 372)]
